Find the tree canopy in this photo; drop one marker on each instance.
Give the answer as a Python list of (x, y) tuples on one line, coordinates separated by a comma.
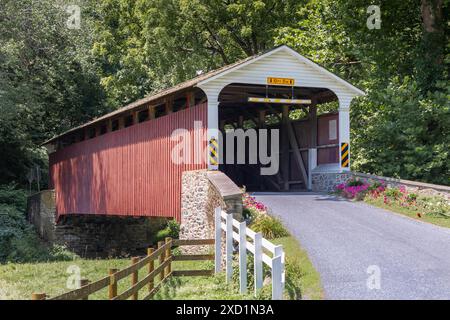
[(53, 77)]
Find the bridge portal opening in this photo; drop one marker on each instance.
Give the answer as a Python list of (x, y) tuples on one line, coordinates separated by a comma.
[(306, 121)]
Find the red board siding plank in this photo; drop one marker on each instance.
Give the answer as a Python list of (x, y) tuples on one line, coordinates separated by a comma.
[(125, 172)]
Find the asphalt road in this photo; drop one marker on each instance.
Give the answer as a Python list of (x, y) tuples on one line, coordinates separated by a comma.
[(349, 242)]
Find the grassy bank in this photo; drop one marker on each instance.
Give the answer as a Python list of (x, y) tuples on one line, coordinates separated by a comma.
[(19, 280), (423, 205), (302, 273), (438, 220)]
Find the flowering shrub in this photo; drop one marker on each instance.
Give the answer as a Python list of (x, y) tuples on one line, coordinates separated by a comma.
[(353, 189), (377, 192), (251, 203), (414, 203), (255, 213)]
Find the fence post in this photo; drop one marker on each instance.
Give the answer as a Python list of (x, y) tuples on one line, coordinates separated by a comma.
[(151, 267), (167, 256), (277, 292), (84, 282), (161, 260), (218, 240), (258, 265), (243, 257), (229, 247), (134, 277), (280, 252), (112, 289), (38, 296)]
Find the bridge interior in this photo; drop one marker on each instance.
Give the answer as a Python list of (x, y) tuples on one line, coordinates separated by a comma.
[(302, 125)]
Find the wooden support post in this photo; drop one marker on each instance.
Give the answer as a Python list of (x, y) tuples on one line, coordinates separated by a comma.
[(218, 240), (243, 257), (161, 260), (285, 168), (134, 277), (38, 296), (151, 267), (167, 256), (258, 263), (169, 105), (277, 293), (229, 247), (278, 252), (190, 99), (109, 126), (240, 122), (84, 282), (112, 289), (135, 117), (297, 155), (262, 119), (151, 112), (313, 122), (121, 122)]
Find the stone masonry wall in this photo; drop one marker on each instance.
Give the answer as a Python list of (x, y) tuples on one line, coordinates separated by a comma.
[(326, 181), (91, 235), (41, 213), (201, 192)]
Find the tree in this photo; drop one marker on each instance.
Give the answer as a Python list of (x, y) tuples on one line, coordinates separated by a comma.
[(48, 82), (147, 45)]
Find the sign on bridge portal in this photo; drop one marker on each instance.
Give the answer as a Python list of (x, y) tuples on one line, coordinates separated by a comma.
[(280, 81)]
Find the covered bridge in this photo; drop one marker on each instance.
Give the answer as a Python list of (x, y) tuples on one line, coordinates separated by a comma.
[(121, 163)]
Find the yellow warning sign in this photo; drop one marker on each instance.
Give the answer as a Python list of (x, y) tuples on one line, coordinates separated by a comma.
[(344, 155), (280, 81), (213, 152)]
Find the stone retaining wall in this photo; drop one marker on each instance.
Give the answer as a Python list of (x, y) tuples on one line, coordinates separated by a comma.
[(91, 235), (201, 192), (327, 181)]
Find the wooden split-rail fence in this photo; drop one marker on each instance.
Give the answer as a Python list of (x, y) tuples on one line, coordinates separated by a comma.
[(226, 228), (163, 271)]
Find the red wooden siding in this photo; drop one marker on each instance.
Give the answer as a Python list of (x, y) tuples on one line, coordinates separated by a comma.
[(127, 172), (327, 155)]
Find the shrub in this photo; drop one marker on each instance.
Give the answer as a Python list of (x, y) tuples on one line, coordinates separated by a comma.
[(20, 243), (354, 182), (172, 230), (16, 198), (269, 226)]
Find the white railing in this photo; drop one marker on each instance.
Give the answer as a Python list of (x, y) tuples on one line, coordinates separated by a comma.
[(249, 241)]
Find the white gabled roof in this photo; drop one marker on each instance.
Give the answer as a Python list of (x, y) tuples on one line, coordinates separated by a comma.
[(210, 77), (292, 52)]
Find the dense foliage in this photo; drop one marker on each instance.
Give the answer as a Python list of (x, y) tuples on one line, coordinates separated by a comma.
[(18, 240), (53, 78)]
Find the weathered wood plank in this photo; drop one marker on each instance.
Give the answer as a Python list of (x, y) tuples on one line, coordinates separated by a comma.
[(139, 285), (133, 268), (152, 293), (84, 291)]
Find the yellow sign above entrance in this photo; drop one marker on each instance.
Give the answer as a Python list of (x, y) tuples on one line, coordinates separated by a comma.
[(280, 81)]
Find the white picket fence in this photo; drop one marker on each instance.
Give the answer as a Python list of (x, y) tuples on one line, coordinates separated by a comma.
[(249, 241)]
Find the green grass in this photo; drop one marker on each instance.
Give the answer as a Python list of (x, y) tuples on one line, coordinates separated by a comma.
[(430, 218), (306, 278), (19, 280)]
